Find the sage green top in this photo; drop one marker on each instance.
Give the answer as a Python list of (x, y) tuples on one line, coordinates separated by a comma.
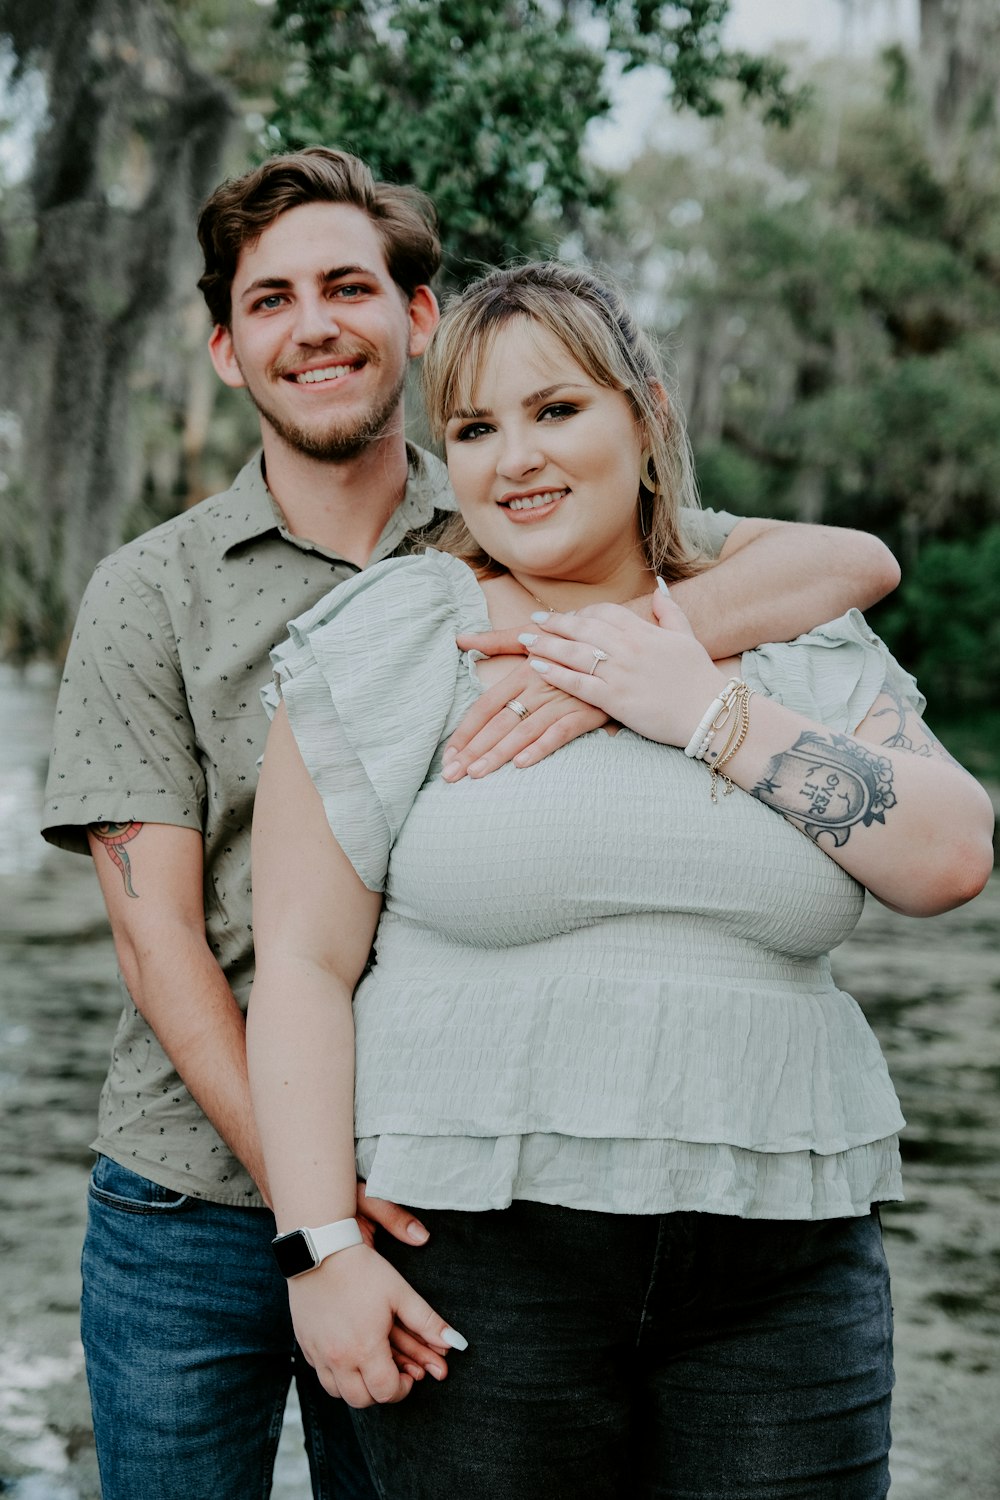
[(593, 986), (159, 720)]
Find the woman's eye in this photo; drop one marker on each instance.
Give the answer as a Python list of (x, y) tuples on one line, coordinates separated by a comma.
[(471, 431), (557, 412)]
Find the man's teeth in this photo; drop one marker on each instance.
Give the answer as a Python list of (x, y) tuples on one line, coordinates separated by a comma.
[(330, 372), (533, 502)]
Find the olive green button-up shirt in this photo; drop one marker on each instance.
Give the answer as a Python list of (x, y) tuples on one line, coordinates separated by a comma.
[(159, 720)]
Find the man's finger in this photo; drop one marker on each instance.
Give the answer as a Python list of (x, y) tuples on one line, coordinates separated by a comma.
[(408, 1349), (492, 642), (401, 1223)]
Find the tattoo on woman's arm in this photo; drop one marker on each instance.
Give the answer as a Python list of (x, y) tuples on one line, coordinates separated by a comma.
[(114, 837), (904, 734), (828, 784)]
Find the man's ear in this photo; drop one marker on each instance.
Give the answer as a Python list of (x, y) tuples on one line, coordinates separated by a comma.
[(424, 314), (223, 357)]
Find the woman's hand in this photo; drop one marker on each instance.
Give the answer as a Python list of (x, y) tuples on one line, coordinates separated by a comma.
[(657, 679), (360, 1326)]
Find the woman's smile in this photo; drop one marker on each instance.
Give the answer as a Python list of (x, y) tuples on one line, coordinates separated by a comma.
[(545, 465)]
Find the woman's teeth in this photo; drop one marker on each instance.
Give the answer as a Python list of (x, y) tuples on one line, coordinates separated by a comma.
[(534, 502)]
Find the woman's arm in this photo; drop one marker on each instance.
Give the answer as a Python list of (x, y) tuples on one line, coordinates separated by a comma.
[(362, 1327), (885, 803)]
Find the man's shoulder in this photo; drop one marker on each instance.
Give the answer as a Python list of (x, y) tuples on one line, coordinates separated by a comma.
[(193, 538)]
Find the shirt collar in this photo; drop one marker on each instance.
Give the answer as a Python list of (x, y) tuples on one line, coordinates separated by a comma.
[(258, 514)]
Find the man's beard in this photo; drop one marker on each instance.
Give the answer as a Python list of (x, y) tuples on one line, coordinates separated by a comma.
[(340, 440)]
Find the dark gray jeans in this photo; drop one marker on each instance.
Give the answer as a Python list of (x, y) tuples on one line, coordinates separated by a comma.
[(615, 1357)]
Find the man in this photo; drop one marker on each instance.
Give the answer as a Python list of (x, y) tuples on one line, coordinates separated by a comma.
[(317, 279)]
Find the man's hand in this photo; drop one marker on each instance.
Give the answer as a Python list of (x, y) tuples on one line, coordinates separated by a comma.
[(399, 1222), (491, 734)]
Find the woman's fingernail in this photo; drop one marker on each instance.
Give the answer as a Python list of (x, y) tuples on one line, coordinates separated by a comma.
[(527, 639), (476, 655), (449, 752), (539, 666), (436, 1371), (662, 586), (541, 615), (454, 1339), (416, 1232)]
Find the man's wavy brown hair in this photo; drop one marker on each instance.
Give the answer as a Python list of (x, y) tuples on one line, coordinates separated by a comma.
[(241, 208)]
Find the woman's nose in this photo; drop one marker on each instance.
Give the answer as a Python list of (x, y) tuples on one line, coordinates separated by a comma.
[(519, 456)]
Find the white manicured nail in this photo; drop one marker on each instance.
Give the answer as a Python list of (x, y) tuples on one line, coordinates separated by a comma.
[(539, 666), (454, 1339), (541, 615), (662, 586), (527, 639)]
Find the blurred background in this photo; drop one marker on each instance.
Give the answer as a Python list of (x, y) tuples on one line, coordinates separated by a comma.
[(804, 199)]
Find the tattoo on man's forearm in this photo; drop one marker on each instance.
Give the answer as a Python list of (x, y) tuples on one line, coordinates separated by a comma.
[(828, 784), (114, 837)]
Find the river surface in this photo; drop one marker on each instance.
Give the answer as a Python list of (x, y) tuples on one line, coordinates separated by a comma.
[(931, 990)]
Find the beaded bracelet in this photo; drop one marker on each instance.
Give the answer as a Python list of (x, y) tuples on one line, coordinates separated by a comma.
[(715, 716)]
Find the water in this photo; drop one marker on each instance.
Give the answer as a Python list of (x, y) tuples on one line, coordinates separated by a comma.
[(931, 990)]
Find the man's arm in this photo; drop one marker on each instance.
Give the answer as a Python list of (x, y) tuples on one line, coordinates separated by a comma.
[(151, 876), (157, 919), (773, 581), (776, 579)]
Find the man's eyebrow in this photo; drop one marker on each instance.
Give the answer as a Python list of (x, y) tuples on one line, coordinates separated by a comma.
[(282, 283)]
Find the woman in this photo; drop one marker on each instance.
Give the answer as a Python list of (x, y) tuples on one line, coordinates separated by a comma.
[(600, 1048)]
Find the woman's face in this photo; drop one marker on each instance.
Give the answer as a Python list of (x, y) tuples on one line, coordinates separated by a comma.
[(546, 464)]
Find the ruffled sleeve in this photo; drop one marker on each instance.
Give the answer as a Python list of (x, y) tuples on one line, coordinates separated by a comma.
[(833, 673), (373, 682)]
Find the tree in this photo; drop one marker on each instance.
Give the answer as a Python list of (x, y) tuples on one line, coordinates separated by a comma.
[(486, 106), (92, 239)]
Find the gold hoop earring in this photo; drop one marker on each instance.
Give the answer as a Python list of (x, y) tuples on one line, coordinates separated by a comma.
[(647, 473)]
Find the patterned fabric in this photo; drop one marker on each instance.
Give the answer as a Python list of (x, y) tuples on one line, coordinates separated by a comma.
[(593, 987), (159, 720)]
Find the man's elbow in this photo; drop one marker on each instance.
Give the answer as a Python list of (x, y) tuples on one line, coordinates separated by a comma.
[(877, 572)]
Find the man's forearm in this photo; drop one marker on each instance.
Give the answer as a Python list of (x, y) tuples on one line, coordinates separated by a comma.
[(774, 581), (182, 993)]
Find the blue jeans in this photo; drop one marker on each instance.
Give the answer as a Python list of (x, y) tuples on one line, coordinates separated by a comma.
[(683, 1357), (190, 1351)]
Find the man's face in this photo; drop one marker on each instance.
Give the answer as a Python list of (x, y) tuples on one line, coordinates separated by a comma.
[(320, 333)]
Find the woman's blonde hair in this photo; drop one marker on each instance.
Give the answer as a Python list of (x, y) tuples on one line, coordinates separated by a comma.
[(591, 319)]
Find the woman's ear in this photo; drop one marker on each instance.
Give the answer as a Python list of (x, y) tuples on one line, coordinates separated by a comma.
[(659, 391)]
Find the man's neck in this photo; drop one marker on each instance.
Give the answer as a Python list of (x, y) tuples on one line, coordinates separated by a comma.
[(342, 507)]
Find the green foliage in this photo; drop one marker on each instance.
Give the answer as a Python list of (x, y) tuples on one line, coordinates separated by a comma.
[(945, 622), (844, 315), (486, 106)]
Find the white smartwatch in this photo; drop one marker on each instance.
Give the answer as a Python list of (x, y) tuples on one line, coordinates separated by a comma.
[(303, 1250)]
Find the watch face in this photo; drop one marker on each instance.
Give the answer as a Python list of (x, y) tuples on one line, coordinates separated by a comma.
[(293, 1254)]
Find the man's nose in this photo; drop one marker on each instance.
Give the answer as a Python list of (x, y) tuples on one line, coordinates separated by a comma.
[(315, 320)]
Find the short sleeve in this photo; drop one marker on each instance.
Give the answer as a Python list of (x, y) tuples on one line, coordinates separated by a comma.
[(123, 745), (833, 673), (705, 531), (371, 681)]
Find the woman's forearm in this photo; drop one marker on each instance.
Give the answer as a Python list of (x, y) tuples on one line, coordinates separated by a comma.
[(300, 1048), (914, 829)]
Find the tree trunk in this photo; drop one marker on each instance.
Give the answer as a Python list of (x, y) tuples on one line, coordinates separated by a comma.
[(130, 144)]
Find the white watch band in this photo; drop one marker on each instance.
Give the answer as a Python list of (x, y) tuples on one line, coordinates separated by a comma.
[(329, 1238)]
